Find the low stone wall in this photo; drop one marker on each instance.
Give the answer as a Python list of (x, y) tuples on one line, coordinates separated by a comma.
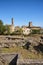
[(15, 59), (7, 58), (10, 41)]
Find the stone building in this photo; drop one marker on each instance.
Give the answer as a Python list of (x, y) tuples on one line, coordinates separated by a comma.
[(33, 27), (17, 28), (28, 29), (11, 27), (30, 24), (41, 31)]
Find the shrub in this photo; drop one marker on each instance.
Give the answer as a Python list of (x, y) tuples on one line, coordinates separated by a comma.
[(35, 31)]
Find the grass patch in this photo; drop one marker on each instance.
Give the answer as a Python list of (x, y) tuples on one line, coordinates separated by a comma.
[(25, 53)]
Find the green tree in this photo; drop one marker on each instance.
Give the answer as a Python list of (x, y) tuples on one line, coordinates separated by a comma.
[(1, 22), (1, 27), (20, 30), (17, 32), (35, 31)]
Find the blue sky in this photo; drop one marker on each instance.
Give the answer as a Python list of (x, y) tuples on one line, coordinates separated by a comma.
[(22, 11)]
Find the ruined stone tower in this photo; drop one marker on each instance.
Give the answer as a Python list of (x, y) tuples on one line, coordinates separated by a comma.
[(30, 24), (12, 21), (11, 27)]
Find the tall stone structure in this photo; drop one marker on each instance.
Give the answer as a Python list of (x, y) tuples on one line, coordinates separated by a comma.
[(33, 27), (11, 27), (30, 24), (12, 21)]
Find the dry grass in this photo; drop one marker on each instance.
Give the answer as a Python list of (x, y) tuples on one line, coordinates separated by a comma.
[(25, 53)]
